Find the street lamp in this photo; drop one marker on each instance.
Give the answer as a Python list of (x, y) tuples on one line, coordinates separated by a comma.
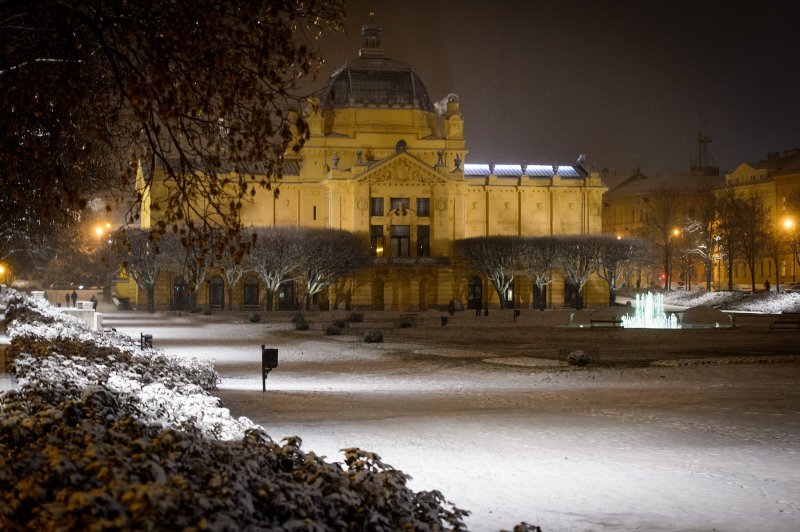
[(790, 226)]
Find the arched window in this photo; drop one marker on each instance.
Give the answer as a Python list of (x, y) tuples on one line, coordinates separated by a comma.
[(180, 294), (250, 296), (216, 292), (475, 293)]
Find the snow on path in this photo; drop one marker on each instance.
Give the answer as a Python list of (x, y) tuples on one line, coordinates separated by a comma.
[(658, 448)]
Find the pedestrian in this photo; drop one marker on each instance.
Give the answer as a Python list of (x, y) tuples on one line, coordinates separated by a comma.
[(94, 302), (766, 285), (478, 310), (66, 298), (74, 298)]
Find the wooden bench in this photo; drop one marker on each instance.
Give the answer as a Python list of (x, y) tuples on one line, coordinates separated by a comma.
[(613, 322), (787, 320), (780, 324)]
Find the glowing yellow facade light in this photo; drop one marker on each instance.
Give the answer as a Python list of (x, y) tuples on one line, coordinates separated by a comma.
[(98, 231), (676, 231), (2, 269), (788, 223)]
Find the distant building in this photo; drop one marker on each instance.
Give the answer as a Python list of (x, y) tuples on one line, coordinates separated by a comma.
[(776, 180), (386, 160), (626, 208)]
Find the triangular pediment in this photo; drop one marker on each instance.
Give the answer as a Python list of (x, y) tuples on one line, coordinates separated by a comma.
[(401, 169), (744, 168)]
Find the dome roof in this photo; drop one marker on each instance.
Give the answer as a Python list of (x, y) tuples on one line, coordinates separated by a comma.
[(374, 80)]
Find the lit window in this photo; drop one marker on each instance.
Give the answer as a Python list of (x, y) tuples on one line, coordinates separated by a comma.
[(376, 239)]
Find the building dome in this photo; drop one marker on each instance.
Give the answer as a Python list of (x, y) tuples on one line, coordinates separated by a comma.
[(374, 80)]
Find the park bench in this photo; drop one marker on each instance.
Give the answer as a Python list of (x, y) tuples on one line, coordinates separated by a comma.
[(787, 320), (611, 322), (146, 340)]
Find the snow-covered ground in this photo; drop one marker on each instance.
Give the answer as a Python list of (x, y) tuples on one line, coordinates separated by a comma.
[(712, 447)]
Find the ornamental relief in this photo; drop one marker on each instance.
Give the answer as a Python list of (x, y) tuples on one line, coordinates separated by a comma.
[(402, 172)]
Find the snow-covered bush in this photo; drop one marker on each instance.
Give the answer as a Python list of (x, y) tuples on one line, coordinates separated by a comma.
[(579, 358), (254, 317), (372, 336), (105, 435), (356, 317), (333, 330), (82, 462)]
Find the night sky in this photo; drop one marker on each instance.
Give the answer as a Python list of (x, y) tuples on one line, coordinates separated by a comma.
[(629, 83)]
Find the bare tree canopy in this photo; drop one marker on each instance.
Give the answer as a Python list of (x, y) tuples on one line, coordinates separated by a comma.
[(752, 222), (496, 257), (578, 255), (617, 256), (537, 259), (327, 255), (662, 219), (201, 92), (140, 255), (274, 256)]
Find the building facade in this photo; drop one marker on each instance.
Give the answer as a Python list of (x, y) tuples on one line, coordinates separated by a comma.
[(385, 160)]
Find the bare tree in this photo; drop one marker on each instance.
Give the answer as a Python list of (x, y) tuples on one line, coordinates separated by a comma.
[(537, 259), (274, 256), (203, 94), (728, 207), (661, 221), (496, 257), (192, 260), (775, 244), (140, 255), (615, 257), (753, 227), (326, 256), (700, 232), (230, 257), (578, 257)]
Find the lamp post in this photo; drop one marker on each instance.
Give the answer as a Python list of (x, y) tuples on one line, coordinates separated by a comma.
[(790, 226), (103, 233), (719, 264), (675, 233)]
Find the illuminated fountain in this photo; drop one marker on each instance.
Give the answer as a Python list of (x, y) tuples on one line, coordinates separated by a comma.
[(649, 314)]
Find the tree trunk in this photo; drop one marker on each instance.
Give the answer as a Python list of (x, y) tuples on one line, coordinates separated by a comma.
[(230, 297), (730, 274), (270, 295), (151, 299)]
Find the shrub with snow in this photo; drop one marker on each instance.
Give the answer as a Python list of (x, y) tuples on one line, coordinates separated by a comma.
[(372, 336), (106, 435)]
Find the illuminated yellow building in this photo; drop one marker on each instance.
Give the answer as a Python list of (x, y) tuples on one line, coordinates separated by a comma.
[(385, 160), (776, 180)]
